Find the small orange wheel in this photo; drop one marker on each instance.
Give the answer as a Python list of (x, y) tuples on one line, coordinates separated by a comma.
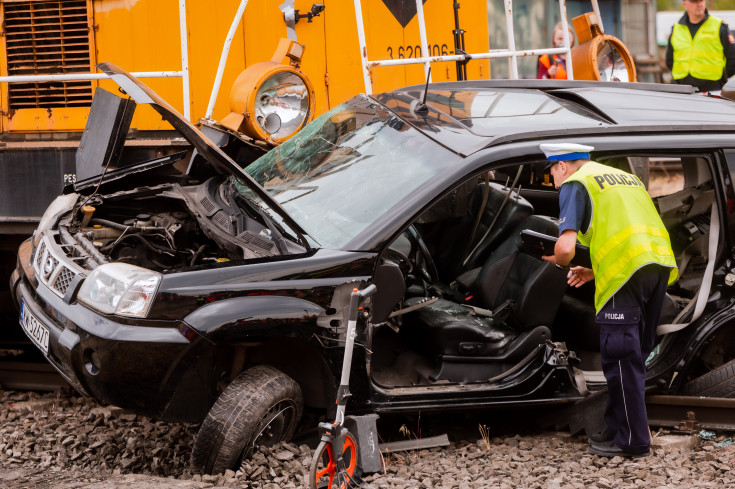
[(326, 473)]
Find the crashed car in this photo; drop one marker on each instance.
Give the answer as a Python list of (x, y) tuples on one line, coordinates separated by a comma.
[(191, 289)]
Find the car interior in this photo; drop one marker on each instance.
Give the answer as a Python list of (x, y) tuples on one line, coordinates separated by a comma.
[(462, 299)]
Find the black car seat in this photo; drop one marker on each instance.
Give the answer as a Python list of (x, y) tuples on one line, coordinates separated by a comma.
[(503, 211), (528, 288), (534, 286)]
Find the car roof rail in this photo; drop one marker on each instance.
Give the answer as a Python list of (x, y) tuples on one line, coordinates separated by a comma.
[(552, 85)]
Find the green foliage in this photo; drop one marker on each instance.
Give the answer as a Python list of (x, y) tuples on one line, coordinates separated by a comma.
[(711, 5)]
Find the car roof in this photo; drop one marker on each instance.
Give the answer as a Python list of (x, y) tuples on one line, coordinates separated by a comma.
[(468, 116)]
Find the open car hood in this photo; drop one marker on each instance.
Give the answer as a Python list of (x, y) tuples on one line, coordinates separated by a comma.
[(106, 131)]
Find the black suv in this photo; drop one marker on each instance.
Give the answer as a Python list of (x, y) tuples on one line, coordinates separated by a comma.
[(188, 288)]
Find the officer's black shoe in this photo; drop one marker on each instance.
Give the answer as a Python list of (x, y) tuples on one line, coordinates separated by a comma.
[(601, 436), (610, 449)]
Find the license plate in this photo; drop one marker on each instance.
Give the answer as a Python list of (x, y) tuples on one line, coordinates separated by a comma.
[(33, 328)]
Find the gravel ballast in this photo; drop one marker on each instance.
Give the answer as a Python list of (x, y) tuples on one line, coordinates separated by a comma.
[(66, 441)]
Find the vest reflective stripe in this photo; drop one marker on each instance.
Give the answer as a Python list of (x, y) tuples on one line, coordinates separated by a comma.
[(702, 57), (630, 255), (625, 233), (629, 231), (561, 73)]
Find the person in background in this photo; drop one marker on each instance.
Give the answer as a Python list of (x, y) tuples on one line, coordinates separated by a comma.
[(701, 49), (553, 66), (610, 211)]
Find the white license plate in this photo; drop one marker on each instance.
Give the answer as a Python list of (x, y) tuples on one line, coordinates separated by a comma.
[(33, 328)]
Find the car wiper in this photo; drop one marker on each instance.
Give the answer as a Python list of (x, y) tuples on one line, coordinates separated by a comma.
[(276, 235)]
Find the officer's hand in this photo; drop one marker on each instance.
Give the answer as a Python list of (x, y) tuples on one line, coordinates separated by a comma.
[(578, 276), (552, 70), (549, 258)]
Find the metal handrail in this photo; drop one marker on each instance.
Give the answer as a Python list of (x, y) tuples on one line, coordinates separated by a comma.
[(183, 73), (511, 52), (223, 59)]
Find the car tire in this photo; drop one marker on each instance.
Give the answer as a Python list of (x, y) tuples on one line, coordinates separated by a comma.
[(719, 382), (261, 407)]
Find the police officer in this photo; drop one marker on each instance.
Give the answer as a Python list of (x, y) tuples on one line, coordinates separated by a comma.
[(701, 49), (610, 211)]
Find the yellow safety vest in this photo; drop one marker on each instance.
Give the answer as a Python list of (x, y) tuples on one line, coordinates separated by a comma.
[(702, 57), (625, 232)]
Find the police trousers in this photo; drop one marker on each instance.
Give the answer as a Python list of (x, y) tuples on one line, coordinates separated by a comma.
[(627, 336)]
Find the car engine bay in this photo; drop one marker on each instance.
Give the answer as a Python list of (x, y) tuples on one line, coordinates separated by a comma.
[(169, 227)]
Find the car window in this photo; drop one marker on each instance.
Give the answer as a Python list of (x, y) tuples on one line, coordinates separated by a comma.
[(682, 189), (348, 168), (508, 111), (665, 177), (532, 175)]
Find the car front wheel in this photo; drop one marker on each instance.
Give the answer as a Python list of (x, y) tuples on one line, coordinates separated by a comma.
[(261, 407)]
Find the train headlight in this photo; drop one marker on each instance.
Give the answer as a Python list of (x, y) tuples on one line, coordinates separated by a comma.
[(599, 56), (273, 100)]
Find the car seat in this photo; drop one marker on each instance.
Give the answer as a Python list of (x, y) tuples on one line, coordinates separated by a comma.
[(503, 210), (524, 292)]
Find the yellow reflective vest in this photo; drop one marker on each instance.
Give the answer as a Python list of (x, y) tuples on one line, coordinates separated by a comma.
[(702, 57), (625, 232)]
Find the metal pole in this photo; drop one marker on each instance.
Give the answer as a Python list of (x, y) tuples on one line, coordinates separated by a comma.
[(651, 27), (567, 41), (459, 57), (422, 35), (511, 39), (223, 59), (596, 9), (363, 48), (459, 43), (184, 59), (85, 76)]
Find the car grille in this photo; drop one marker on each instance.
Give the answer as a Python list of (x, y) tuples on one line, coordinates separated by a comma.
[(63, 280), (40, 253), (51, 270)]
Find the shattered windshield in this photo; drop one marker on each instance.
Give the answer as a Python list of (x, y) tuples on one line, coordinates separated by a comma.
[(346, 169)]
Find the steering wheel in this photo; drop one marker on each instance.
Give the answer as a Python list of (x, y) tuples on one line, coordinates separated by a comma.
[(404, 262), (424, 262)]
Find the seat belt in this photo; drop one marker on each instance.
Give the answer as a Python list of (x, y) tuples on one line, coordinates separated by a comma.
[(415, 307), (703, 295), (485, 195), (500, 210)]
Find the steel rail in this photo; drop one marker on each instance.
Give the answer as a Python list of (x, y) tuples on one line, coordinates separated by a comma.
[(712, 413), (683, 413), (35, 376)]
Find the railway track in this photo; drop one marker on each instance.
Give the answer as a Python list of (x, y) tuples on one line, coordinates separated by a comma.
[(35, 376), (680, 413), (22, 367), (686, 413)]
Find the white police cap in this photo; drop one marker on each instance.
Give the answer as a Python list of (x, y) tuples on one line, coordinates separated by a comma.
[(565, 151)]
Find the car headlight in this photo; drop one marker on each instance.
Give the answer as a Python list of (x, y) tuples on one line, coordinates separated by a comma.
[(120, 288), (273, 100)]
